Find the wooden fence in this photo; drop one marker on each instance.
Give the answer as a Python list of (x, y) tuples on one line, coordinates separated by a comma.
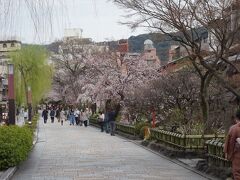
[(125, 128), (216, 155), (183, 142)]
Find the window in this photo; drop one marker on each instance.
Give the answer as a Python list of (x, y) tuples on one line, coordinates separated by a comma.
[(4, 45), (12, 45)]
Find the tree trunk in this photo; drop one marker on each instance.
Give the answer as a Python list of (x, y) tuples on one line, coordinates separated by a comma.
[(204, 94)]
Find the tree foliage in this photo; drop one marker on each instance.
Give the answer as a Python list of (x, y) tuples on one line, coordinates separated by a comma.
[(221, 20), (31, 69)]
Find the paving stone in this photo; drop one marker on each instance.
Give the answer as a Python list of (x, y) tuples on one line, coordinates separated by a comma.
[(79, 153)]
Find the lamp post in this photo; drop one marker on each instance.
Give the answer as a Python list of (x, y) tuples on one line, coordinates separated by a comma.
[(29, 98), (11, 96)]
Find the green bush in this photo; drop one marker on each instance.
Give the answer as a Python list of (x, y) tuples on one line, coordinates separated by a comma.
[(15, 144), (139, 126), (33, 125)]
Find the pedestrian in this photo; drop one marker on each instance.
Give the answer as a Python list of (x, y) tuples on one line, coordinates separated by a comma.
[(101, 120), (77, 116), (52, 114), (71, 117), (67, 114), (81, 118), (62, 116), (106, 122), (84, 118), (232, 147), (88, 114), (58, 114), (45, 115), (111, 119)]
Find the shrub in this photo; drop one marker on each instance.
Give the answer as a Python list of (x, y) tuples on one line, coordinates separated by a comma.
[(33, 125), (139, 126), (16, 142)]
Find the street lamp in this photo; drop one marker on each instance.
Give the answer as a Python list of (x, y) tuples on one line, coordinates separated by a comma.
[(29, 99), (11, 96)]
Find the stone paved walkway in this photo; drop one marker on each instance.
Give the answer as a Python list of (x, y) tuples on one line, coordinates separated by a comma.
[(70, 152)]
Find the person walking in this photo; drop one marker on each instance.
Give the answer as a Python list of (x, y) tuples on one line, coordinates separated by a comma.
[(111, 119), (77, 116), (58, 114), (84, 118), (232, 147), (88, 114), (52, 114), (106, 122), (62, 116), (45, 115), (71, 117), (101, 120)]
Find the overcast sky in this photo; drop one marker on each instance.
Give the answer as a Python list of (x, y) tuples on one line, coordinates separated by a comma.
[(99, 20)]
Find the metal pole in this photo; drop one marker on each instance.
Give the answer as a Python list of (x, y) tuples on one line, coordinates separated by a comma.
[(29, 104), (11, 97)]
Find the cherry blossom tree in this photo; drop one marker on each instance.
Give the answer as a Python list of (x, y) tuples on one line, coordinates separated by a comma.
[(84, 73)]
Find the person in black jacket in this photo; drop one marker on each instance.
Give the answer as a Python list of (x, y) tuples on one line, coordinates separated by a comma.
[(111, 120), (58, 114), (45, 115), (52, 114)]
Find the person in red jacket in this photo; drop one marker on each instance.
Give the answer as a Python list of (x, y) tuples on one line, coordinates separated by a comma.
[(232, 147)]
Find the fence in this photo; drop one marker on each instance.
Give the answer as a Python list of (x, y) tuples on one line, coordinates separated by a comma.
[(93, 121), (119, 127), (125, 128), (182, 142), (216, 155)]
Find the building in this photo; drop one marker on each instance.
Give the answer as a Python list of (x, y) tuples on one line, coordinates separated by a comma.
[(179, 51), (123, 47), (73, 42), (150, 53), (72, 33), (5, 47)]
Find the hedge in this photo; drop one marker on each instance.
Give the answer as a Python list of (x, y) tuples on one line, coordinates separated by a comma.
[(15, 143)]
